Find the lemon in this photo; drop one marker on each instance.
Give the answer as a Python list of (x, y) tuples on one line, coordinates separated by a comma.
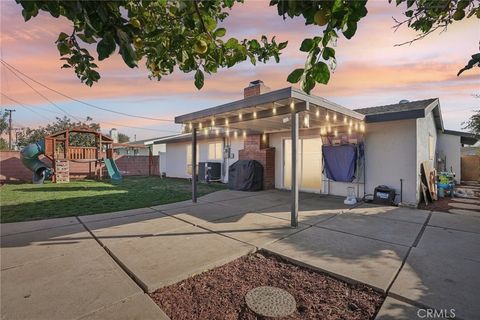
[(137, 42), (135, 23), (321, 17), (200, 46)]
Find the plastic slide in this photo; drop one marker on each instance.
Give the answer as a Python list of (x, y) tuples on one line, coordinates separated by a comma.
[(29, 156), (112, 169)]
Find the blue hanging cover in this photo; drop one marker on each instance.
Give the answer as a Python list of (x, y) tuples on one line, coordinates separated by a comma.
[(340, 162)]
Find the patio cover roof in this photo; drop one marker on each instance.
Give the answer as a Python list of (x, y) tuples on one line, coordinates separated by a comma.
[(269, 112), (287, 109)]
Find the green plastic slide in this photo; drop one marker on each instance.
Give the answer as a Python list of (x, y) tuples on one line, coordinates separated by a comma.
[(112, 169), (29, 156)]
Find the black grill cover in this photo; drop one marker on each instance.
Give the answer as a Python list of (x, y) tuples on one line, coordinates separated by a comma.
[(245, 175)]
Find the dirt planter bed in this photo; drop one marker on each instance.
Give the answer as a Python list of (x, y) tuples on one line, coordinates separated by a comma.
[(220, 293)]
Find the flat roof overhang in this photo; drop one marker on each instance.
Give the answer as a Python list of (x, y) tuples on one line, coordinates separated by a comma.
[(269, 112)]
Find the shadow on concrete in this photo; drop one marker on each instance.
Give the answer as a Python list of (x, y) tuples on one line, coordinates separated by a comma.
[(355, 244)]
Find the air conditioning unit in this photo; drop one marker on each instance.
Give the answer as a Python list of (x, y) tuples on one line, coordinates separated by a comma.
[(209, 171)]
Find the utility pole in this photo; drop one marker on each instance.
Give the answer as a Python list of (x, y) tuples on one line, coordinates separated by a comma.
[(10, 127)]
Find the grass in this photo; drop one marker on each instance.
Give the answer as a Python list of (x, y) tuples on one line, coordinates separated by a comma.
[(23, 202)]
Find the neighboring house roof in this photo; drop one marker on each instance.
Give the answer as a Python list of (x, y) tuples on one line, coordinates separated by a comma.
[(403, 111), (160, 139), (184, 137), (465, 137), (136, 144)]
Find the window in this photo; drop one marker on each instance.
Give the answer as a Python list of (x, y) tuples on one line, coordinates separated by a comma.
[(215, 151), (431, 147), (189, 158)]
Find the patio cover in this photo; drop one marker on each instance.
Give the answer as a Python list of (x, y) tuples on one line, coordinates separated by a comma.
[(287, 109)]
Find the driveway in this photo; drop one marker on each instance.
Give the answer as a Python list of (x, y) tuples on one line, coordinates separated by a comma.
[(100, 266)]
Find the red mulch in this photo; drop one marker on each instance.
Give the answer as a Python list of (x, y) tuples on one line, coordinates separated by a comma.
[(220, 293), (442, 204)]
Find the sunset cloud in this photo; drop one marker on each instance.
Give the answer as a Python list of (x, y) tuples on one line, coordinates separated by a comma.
[(371, 69)]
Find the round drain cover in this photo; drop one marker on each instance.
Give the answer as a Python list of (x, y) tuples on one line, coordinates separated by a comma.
[(270, 302)]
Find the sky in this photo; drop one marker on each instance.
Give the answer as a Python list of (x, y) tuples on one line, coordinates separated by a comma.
[(370, 71)]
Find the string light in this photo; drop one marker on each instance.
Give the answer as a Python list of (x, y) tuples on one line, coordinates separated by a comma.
[(306, 121)]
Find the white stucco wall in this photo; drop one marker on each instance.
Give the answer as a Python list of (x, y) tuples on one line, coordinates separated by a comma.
[(450, 146), (176, 156), (425, 128), (390, 151)]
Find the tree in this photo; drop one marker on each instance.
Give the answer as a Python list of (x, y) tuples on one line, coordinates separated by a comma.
[(184, 34), (3, 128), (123, 138), (473, 124), (82, 140)]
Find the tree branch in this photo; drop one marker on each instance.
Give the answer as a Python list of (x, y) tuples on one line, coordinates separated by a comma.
[(204, 27)]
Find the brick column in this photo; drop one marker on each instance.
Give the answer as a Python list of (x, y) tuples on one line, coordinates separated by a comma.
[(254, 148)]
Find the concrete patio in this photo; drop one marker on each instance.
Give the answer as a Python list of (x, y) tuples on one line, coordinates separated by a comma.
[(100, 266)]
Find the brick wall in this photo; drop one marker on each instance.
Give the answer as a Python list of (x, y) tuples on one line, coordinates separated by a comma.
[(12, 169), (256, 148)]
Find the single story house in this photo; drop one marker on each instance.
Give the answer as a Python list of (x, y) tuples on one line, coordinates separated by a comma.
[(388, 143)]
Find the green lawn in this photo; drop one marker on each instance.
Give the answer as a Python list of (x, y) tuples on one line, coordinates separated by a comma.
[(22, 202)]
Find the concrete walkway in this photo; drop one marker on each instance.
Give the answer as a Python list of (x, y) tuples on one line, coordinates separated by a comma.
[(100, 266)]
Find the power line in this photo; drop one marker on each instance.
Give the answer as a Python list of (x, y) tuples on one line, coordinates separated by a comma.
[(104, 122), (80, 101), (26, 107), (39, 93)]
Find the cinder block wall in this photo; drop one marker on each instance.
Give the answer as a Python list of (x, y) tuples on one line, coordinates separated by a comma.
[(12, 168)]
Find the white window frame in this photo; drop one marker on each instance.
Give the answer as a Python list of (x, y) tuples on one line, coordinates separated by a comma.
[(216, 150)]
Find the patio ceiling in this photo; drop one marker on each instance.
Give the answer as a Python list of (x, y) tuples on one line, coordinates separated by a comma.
[(270, 112)]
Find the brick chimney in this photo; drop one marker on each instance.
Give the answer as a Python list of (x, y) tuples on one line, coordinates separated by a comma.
[(255, 88), (255, 147)]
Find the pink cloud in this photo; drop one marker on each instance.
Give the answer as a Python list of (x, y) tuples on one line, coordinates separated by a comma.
[(368, 65)]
